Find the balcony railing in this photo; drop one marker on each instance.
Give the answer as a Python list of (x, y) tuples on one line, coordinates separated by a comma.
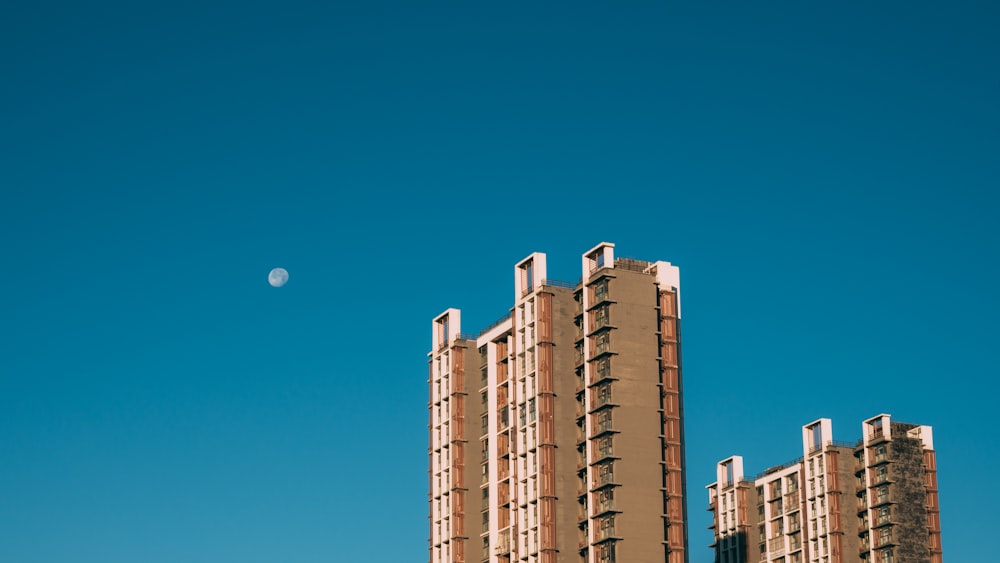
[(604, 478), (495, 324), (776, 546), (602, 397), (559, 283), (632, 264), (605, 532), (604, 426), (503, 544)]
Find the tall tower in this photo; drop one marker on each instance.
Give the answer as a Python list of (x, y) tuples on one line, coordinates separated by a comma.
[(576, 404), (874, 501), (898, 510)]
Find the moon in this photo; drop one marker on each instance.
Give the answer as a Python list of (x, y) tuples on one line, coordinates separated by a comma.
[(278, 277)]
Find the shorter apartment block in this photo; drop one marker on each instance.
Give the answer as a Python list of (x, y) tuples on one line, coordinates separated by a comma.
[(873, 501)]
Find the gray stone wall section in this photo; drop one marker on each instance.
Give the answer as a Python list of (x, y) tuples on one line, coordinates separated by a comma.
[(907, 492)]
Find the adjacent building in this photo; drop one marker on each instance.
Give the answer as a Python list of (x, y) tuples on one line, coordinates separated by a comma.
[(874, 501), (556, 433)]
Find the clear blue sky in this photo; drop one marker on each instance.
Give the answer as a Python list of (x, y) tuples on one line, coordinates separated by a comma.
[(825, 175)]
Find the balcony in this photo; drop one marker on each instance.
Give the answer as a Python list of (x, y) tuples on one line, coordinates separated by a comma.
[(605, 533), (607, 505), (603, 480), (603, 426), (503, 544), (776, 546), (600, 321), (601, 400), (600, 373), (600, 348), (601, 454)]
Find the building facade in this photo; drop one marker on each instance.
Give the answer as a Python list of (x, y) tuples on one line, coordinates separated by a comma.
[(874, 501), (553, 430)]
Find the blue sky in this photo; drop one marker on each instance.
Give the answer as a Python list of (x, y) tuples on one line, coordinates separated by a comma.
[(825, 176)]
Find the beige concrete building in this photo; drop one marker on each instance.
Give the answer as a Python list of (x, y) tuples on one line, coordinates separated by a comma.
[(556, 434), (874, 501)]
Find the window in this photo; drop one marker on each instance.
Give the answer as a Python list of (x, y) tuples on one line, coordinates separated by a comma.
[(884, 535), (606, 553), (603, 368), (601, 317), (876, 428), (606, 526), (603, 394), (602, 343), (604, 421), (817, 436), (531, 409), (793, 482), (605, 473), (882, 474), (605, 500), (601, 291), (604, 446), (794, 524), (775, 489), (528, 275), (883, 515), (443, 331)]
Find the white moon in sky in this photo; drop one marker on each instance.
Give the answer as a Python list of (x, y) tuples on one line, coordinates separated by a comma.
[(278, 277)]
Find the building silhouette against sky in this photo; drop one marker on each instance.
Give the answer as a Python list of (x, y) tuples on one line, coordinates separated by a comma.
[(873, 501), (556, 434)]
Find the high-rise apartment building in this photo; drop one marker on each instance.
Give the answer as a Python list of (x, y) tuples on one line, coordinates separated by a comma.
[(556, 434), (874, 501)]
